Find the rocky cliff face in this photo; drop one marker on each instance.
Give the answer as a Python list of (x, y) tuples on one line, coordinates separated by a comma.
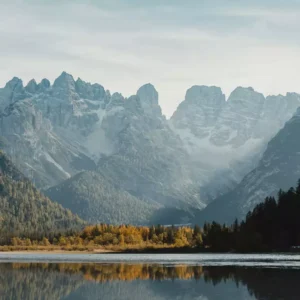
[(52, 132), (149, 160), (277, 169), (33, 128), (226, 138)]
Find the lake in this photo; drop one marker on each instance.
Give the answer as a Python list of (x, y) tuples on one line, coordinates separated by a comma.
[(149, 276)]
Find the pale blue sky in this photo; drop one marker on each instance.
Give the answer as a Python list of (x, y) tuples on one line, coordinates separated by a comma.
[(172, 44)]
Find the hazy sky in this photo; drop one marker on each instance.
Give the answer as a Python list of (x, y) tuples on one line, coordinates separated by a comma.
[(173, 44)]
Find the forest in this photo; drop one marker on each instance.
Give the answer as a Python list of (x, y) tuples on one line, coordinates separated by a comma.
[(271, 226), (25, 211)]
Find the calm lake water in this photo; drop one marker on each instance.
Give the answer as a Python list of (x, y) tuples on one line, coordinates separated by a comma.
[(153, 276)]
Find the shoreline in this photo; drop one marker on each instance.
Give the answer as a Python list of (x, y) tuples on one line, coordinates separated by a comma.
[(123, 250), (136, 251), (58, 250), (98, 250)]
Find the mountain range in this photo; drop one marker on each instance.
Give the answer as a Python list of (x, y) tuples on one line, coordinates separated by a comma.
[(113, 159)]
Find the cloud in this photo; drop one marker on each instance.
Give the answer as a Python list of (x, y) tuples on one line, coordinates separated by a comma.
[(173, 44)]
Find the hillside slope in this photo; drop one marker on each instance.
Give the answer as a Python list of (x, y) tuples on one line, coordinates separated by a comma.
[(97, 200), (26, 211)]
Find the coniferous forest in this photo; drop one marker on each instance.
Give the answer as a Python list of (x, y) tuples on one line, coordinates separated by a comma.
[(26, 212), (271, 226)]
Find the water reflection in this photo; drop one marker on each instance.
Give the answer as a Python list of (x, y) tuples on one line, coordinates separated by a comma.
[(144, 281)]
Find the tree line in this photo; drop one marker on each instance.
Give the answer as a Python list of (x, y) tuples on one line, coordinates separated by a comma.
[(273, 225), (120, 236), (270, 226)]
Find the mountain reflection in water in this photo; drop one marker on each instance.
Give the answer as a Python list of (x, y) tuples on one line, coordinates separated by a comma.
[(145, 281)]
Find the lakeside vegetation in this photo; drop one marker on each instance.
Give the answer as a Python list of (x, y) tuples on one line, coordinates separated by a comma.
[(271, 226), (114, 238)]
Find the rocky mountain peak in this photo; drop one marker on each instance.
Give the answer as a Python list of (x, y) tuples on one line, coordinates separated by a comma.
[(115, 104), (149, 99), (246, 96), (84, 89), (117, 99), (31, 87), (293, 99), (198, 113), (13, 91), (279, 109), (80, 83), (98, 91), (89, 91), (205, 95), (292, 95), (44, 84), (14, 84), (64, 87), (65, 81)]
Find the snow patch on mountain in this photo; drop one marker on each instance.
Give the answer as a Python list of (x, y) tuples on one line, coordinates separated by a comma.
[(58, 166)]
